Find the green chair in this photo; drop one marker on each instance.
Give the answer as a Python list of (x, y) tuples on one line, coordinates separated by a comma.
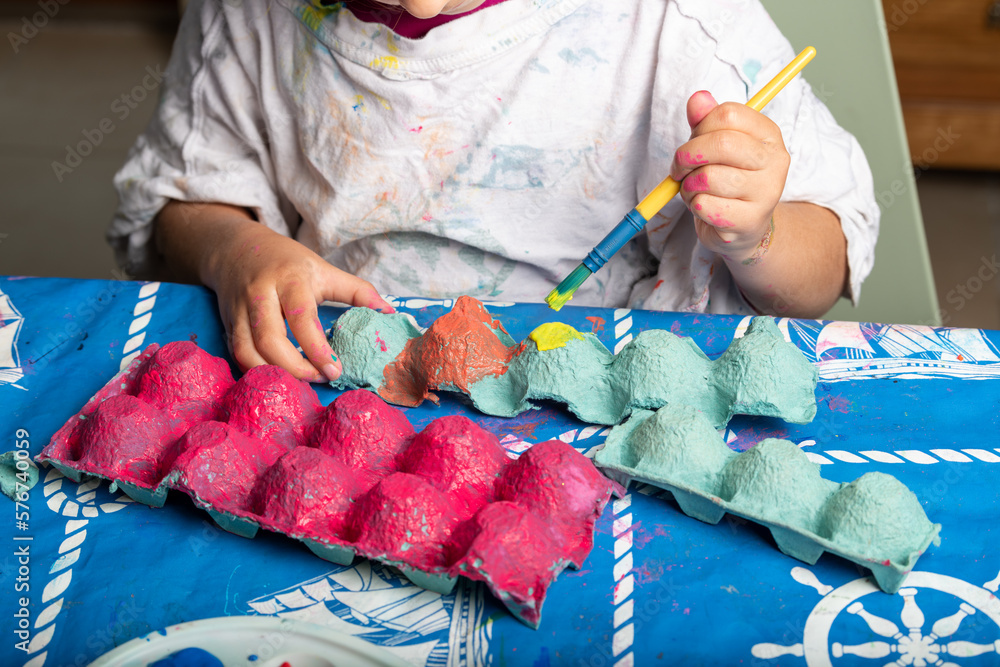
[(853, 74)]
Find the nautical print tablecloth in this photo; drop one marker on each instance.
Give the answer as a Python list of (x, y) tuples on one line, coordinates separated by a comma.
[(95, 570)]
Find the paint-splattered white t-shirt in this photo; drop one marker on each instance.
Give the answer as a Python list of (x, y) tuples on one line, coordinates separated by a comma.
[(486, 158)]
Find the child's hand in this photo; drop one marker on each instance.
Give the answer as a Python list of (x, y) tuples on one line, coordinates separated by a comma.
[(733, 170), (264, 280), (261, 279)]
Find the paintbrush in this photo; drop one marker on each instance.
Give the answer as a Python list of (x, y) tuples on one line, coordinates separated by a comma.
[(637, 218)]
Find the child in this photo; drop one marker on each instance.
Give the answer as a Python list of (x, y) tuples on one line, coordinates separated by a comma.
[(304, 152)]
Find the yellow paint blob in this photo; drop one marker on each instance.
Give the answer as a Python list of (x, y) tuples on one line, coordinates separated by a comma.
[(385, 62), (551, 335), (315, 13)]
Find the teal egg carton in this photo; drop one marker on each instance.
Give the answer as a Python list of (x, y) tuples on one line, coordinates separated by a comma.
[(467, 351), (874, 521)]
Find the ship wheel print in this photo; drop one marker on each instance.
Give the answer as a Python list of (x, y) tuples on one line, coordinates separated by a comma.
[(905, 637)]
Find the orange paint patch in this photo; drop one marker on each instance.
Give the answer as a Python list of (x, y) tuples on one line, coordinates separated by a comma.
[(458, 350), (596, 323)]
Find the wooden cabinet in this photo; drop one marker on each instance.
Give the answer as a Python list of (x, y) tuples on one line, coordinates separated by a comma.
[(947, 59)]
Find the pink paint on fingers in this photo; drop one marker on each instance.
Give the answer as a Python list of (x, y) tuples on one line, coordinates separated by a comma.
[(376, 302), (696, 183), (719, 221), (697, 207), (297, 311), (689, 159)]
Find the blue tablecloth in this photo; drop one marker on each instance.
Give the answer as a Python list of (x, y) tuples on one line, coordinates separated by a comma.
[(659, 587)]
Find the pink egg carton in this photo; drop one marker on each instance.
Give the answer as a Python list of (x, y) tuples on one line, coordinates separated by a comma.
[(351, 479)]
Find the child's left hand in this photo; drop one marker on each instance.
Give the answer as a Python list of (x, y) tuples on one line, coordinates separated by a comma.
[(732, 173)]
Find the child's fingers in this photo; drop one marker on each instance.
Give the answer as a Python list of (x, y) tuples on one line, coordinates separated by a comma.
[(724, 147), (298, 303), (337, 285), (718, 212), (721, 181), (267, 326), (717, 240), (738, 117), (698, 106), (240, 341), (728, 226)]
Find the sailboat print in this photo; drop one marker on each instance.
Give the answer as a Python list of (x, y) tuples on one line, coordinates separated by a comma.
[(371, 601), (856, 351), (10, 327)]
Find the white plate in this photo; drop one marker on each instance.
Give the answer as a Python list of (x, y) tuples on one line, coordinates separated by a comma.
[(271, 641)]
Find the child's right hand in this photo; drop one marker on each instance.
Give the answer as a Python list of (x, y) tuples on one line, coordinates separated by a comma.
[(262, 279)]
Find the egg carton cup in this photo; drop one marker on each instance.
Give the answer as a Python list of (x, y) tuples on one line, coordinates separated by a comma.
[(467, 351), (351, 479), (874, 521)]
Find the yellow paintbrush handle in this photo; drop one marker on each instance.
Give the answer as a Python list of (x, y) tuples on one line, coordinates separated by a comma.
[(658, 198), (774, 86), (668, 187)]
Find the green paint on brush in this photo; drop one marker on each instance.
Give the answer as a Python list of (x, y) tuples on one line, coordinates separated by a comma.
[(564, 291)]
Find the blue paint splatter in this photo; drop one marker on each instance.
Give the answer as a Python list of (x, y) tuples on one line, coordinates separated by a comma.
[(189, 657), (516, 168), (543, 658), (752, 68), (575, 58), (538, 67)]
